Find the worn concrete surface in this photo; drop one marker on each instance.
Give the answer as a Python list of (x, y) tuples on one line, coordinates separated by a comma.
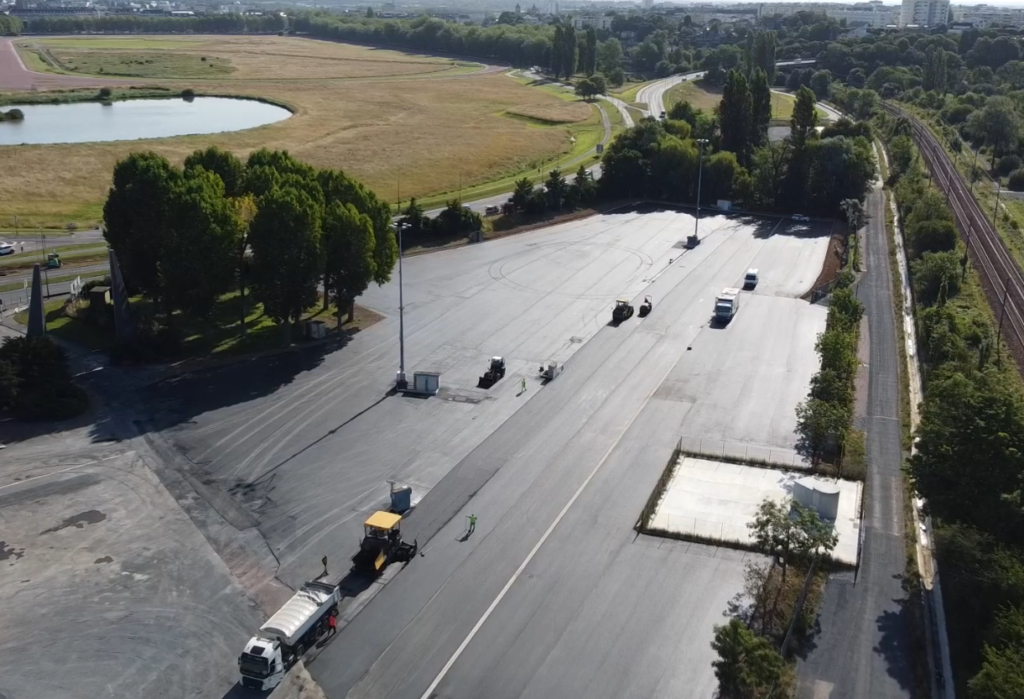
[(716, 500), (106, 587)]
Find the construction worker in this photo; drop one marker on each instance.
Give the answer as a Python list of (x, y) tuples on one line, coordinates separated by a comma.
[(524, 385), (472, 523), (332, 623)]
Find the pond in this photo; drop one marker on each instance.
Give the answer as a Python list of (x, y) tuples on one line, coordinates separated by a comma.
[(129, 120)]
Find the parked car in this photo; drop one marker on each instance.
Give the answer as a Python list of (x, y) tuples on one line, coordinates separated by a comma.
[(664, 116), (6, 249), (800, 217), (491, 211)]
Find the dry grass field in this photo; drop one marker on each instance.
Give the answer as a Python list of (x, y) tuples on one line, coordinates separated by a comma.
[(379, 115)]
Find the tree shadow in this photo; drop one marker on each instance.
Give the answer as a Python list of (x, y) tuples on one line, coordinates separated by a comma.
[(895, 641)]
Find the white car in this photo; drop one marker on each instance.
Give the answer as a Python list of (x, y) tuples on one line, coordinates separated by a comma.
[(6, 249), (800, 217)]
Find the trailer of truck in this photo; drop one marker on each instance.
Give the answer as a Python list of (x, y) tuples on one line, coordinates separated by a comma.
[(726, 305), (287, 635)]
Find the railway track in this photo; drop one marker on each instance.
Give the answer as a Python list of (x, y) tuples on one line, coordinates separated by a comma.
[(1000, 274)]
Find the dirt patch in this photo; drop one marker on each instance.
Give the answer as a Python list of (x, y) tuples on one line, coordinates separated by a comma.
[(562, 113), (832, 266)]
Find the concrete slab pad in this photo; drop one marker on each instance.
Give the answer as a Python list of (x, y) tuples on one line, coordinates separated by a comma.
[(716, 500)]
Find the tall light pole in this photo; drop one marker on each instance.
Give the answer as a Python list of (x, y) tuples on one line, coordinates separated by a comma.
[(700, 172), (400, 381)]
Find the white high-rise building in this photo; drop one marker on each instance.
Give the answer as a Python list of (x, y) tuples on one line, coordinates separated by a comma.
[(924, 13)]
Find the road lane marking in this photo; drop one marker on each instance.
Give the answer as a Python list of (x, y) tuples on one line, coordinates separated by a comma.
[(63, 470), (533, 552)]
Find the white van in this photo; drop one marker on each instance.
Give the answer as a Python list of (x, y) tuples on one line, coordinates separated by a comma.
[(750, 281)]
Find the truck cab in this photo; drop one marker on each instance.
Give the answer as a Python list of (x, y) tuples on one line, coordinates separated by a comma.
[(261, 664)]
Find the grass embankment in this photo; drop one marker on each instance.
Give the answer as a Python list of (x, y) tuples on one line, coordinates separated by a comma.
[(216, 336), (587, 133), (382, 116)]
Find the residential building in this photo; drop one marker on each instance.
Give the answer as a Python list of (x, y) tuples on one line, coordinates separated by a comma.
[(924, 13)]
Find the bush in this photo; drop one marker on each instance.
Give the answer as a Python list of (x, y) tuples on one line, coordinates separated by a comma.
[(931, 236), (188, 93), (35, 381), (1007, 164), (936, 276), (105, 93), (1016, 181)]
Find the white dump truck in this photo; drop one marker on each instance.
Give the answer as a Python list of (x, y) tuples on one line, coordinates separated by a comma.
[(288, 635), (726, 305)]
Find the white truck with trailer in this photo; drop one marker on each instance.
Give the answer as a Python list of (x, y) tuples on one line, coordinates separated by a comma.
[(288, 635), (726, 305)]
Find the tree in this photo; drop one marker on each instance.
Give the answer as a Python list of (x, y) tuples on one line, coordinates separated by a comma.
[(415, 221), (841, 168), (135, 215), (586, 88), (1002, 670), (36, 382), (287, 260), (583, 184), (935, 73), (805, 117), (245, 211), (761, 108), (969, 463), (588, 53), (856, 78), (936, 276), (521, 194), (221, 162), (609, 56), (768, 171), (997, 124), (764, 54), (734, 116), (556, 189), (348, 244), (570, 54), (747, 666), (197, 249), (558, 51), (790, 532), (856, 216), (819, 423), (820, 83)]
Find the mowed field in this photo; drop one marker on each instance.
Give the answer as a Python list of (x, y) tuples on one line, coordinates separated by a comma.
[(380, 115)]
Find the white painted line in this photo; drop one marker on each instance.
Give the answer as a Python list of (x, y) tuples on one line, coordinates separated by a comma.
[(533, 552), (64, 470)]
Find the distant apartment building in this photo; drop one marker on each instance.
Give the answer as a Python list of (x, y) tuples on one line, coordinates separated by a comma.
[(924, 13), (869, 14), (600, 22), (987, 15)]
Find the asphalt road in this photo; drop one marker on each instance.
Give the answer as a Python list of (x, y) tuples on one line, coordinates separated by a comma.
[(863, 647), (304, 444)]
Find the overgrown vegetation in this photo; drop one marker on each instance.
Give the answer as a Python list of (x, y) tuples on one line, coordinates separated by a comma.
[(968, 463), (783, 595), (824, 418)]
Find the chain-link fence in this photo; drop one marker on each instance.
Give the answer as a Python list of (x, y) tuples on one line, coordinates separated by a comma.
[(742, 453)]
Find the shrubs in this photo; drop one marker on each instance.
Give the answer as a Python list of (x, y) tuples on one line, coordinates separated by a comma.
[(12, 115), (35, 381), (1016, 181), (1007, 164), (105, 93), (823, 419)]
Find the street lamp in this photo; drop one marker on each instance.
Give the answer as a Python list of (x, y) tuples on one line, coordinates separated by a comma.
[(700, 171), (400, 381)]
